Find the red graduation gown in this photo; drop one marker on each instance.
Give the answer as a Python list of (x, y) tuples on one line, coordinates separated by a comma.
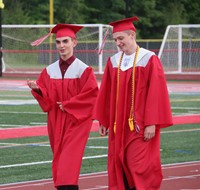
[(128, 152), (68, 131)]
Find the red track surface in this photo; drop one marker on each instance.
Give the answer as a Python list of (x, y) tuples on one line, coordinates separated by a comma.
[(185, 176), (42, 130)]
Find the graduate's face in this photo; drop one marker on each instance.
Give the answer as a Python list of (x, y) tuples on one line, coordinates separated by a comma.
[(65, 47), (125, 40)]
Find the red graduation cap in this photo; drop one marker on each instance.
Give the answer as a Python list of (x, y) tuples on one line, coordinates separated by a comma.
[(124, 24), (61, 30), (118, 26)]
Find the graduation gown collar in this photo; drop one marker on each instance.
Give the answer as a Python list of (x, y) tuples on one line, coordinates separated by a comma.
[(127, 61)]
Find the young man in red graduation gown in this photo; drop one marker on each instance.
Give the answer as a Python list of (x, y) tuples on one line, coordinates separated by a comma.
[(132, 106), (67, 91)]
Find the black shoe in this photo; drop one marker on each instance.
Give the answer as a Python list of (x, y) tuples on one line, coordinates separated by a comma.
[(133, 188), (72, 187), (63, 187), (68, 187)]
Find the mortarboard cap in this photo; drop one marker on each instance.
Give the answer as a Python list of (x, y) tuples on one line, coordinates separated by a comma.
[(124, 24), (60, 30)]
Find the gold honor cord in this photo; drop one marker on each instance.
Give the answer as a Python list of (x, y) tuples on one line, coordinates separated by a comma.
[(117, 92), (131, 118)]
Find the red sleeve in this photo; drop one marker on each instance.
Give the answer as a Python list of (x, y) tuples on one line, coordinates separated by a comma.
[(157, 109), (42, 97), (81, 106), (102, 107)]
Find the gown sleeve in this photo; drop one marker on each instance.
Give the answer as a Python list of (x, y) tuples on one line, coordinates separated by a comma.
[(81, 106), (157, 109), (43, 97), (102, 107)]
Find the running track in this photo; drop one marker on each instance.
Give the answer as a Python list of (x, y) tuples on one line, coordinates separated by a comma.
[(191, 87), (185, 176)]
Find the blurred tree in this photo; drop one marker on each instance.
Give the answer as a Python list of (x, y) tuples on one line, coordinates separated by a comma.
[(104, 11), (192, 11), (38, 11), (154, 15), (74, 12), (148, 17), (14, 13)]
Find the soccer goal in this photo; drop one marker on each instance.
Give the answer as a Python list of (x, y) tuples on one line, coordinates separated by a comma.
[(20, 57), (180, 49)]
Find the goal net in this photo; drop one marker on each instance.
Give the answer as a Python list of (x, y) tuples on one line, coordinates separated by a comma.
[(20, 57), (180, 49)]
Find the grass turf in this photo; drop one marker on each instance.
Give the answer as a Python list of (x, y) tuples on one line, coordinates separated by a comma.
[(29, 158)]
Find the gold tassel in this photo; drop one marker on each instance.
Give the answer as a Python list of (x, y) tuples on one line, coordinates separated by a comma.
[(131, 124), (115, 127)]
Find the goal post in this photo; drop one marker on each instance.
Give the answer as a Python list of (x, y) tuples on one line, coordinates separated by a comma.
[(180, 49), (20, 56)]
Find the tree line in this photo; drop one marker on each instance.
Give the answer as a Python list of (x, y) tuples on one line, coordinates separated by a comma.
[(154, 15)]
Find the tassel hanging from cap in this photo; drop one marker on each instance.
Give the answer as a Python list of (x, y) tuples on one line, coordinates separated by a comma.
[(40, 40), (103, 42), (137, 127)]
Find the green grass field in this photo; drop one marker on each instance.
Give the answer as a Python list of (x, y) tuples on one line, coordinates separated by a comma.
[(29, 158)]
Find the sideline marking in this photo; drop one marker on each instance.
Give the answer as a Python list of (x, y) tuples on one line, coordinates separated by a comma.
[(181, 177), (104, 173), (47, 162)]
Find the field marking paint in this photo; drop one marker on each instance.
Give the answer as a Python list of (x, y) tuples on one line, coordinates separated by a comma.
[(97, 147), (47, 162), (181, 177), (104, 174), (17, 112)]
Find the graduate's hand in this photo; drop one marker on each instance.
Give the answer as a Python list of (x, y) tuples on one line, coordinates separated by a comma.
[(103, 130), (60, 106), (149, 132), (32, 84)]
